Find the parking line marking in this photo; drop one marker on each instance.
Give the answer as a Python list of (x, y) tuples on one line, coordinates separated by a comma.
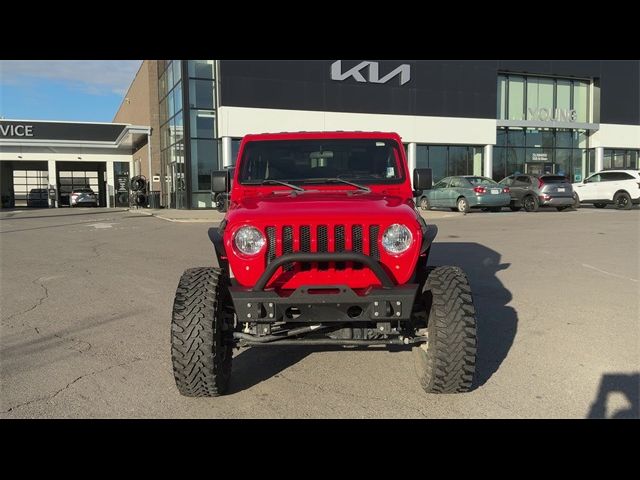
[(608, 273)]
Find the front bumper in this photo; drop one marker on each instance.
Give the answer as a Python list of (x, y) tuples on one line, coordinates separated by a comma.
[(324, 303)]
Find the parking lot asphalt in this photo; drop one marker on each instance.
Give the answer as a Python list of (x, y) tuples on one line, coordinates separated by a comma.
[(86, 301)]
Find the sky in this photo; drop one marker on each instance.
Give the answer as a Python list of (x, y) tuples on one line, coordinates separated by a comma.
[(72, 90)]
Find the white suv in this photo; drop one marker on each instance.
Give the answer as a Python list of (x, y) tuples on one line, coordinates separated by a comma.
[(620, 187)]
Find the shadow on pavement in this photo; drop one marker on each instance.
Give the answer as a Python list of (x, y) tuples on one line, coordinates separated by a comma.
[(497, 322), (627, 385), (254, 365), (257, 364)]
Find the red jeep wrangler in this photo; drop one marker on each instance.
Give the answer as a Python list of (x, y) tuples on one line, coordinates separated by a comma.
[(322, 245)]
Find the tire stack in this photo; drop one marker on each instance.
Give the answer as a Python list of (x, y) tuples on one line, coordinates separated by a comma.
[(139, 189)]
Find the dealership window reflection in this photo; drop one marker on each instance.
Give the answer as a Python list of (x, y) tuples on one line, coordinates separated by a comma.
[(536, 98), (564, 151), (447, 160)]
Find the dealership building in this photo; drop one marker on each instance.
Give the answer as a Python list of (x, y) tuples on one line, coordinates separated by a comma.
[(41, 163), (481, 117)]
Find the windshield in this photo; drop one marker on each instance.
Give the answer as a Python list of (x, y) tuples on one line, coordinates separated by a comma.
[(481, 181), (358, 160)]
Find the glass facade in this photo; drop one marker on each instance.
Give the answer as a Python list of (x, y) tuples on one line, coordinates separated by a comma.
[(172, 150), (548, 150), (523, 97), (526, 98), (447, 160), (189, 144), (204, 142)]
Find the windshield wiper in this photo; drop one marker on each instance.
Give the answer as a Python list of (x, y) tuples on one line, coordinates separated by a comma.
[(270, 181), (340, 180)]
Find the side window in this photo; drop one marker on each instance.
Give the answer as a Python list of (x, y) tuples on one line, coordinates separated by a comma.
[(457, 183), (620, 176), (507, 181), (593, 179), (523, 179), (608, 177), (441, 183)]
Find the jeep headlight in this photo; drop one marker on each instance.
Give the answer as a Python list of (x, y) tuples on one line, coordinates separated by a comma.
[(249, 240), (396, 239)]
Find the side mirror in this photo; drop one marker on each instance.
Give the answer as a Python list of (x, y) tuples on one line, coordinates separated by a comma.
[(422, 179), (219, 181)]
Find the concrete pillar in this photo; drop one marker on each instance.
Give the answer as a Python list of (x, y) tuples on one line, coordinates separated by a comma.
[(227, 152), (488, 161), (53, 183), (411, 158), (599, 159), (110, 190)]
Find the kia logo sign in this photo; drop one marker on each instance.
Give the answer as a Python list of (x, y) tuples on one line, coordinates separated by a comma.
[(374, 76), (16, 130)]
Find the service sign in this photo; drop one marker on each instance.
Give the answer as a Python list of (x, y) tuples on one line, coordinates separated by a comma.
[(16, 130)]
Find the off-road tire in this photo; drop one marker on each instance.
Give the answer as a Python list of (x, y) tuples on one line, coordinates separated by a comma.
[(530, 203), (424, 203), (622, 201), (201, 358), (600, 205), (446, 363)]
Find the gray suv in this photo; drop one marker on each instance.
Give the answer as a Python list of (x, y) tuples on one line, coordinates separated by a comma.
[(533, 191)]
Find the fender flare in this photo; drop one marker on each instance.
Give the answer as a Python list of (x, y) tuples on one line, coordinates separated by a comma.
[(429, 233), (216, 236)]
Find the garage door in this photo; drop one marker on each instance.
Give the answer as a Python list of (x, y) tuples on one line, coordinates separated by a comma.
[(70, 180), (30, 188)]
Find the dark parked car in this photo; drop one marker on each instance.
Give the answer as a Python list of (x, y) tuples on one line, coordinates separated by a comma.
[(38, 197), (83, 197), (533, 191), (463, 193)]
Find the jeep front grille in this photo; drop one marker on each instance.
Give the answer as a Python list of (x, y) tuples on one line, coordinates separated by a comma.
[(287, 239), (271, 244), (287, 243), (356, 241)]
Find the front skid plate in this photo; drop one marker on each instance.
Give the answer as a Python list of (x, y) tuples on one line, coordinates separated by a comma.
[(325, 303)]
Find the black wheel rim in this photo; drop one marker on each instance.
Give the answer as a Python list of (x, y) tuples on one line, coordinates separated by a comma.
[(622, 201)]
